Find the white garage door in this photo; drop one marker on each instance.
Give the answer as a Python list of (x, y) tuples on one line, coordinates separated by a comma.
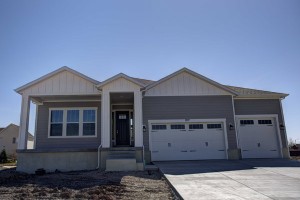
[(187, 141), (258, 138)]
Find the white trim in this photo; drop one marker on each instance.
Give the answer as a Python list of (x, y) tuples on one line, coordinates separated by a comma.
[(24, 122), (257, 97), (283, 122), (115, 126), (121, 104), (235, 125), (275, 116), (65, 109), (120, 75), (168, 121), (187, 120), (64, 68), (82, 100), (35, 127)]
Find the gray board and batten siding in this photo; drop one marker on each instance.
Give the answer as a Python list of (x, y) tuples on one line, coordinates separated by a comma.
[(45, 143), (260, 107), (189, 107)]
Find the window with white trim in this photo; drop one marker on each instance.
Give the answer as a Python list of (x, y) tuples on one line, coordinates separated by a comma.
[(89, 122), (56, 122), (72, 122)]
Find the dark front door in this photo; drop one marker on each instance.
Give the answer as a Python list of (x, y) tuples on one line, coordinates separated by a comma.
[(122, 128)]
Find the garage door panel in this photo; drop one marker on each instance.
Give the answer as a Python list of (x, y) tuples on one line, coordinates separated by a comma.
[(188, 141), (258, 138)]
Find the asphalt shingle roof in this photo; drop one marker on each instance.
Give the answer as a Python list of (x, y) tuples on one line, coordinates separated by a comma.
[(254, 92), (143, 81)]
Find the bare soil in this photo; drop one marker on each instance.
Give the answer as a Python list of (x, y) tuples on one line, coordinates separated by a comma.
[(295, 157), (84, 185)]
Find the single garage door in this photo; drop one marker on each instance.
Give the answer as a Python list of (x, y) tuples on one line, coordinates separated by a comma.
[(187, 141), (258, 138)]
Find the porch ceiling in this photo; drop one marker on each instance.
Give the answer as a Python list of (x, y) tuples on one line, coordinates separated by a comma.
[(117, 98)]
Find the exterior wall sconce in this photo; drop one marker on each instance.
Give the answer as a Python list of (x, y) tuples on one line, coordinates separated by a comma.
[(144, 128), (282, 127), (231, 127)]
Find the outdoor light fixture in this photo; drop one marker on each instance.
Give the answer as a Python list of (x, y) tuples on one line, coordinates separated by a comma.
[(144, 128), (282, 127), (231, 127)]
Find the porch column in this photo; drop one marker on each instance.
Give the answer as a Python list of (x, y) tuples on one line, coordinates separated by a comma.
[(105, 119), (138, 119), (24, 119)]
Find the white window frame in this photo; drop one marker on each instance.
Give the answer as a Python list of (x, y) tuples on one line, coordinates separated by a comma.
[(64, 133)]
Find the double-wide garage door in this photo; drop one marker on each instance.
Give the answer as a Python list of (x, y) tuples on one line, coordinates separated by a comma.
[(258, 137), (187, 141)]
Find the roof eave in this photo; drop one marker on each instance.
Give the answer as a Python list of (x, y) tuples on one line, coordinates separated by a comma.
[(265, 96)]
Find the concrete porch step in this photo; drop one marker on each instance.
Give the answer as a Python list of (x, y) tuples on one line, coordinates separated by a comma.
[(121, 164), (122, 153), (121, 160), (121, 156)]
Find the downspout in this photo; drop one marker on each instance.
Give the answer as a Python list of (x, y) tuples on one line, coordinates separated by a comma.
[(143, 157), (99, 155), (100, 146)]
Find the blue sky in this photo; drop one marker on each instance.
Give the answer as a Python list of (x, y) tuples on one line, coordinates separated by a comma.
[(252, 44)]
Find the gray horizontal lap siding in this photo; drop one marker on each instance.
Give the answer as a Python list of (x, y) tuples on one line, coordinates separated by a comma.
[(42, 140), (189, 107), (260, 107)]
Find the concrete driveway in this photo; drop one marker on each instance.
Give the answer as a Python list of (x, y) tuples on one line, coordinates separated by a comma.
[(242, 179)]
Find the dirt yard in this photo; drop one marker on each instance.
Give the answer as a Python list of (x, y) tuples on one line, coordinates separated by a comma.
[(84, 185)]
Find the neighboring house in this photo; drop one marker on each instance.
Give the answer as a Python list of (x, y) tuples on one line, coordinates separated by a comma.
[(123, 122), (295, 150), (9, 139)]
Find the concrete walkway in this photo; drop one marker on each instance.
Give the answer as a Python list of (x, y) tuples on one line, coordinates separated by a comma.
[(243, 179)]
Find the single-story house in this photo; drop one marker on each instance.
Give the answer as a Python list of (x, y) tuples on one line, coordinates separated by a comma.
[(9, 139), (123, 122)]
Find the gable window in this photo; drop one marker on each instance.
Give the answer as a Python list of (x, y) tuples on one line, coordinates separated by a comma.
[(72, 122), (14, 140)]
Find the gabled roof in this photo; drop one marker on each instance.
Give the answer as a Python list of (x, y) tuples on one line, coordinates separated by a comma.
[(30, 136), (64, 68), (139, 82), (218, 85), (248, 92)]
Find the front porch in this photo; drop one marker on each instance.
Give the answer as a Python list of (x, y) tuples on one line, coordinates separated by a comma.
[(109, 159), (98, 126)]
